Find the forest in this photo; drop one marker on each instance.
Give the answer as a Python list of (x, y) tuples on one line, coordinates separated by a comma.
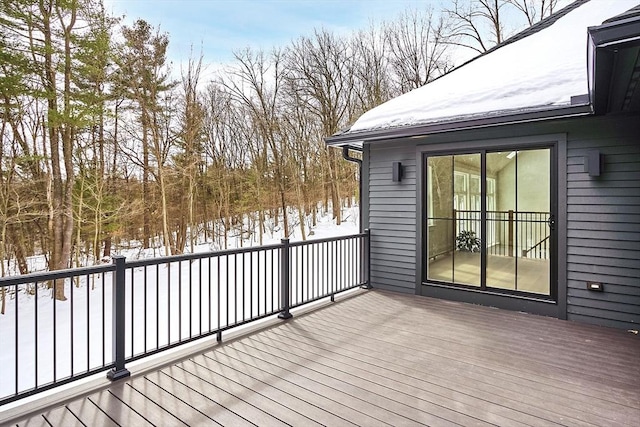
[(105, 142)]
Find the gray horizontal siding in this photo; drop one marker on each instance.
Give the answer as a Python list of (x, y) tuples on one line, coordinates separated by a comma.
[(596, 275), (608, 225), (604, 252), (605, 244), (615, 293), (598, 268), (596, 218), (606, 200), (377, 211), (603, 227), (392, 219), (611, 168), (608, 184)]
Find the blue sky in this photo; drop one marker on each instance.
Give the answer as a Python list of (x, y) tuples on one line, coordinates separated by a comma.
[(221, 26)]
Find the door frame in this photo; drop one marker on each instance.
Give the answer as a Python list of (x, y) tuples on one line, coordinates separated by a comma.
[(554, 306)]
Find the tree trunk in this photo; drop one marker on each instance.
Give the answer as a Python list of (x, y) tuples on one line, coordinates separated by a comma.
[(107, 247), (333, 186), (146, 229)]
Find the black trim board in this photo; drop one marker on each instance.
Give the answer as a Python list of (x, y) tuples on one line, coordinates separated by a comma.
[(493, 299), (616, 31), (364, 178), (557, 308)]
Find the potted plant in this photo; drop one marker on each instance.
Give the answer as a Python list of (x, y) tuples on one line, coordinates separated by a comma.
[(467, 241)]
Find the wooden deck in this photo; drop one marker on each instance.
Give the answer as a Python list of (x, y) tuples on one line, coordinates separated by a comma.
[(386, 359)]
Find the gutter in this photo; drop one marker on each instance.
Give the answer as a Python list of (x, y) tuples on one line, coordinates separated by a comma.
[(613, 59), (617, 30), (580, 108), (347, 157)]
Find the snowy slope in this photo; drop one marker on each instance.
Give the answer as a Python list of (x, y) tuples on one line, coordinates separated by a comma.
[(45, 339), (539, 72)]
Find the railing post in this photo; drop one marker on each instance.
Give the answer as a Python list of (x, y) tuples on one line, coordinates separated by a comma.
[(118, 320), (285, 267), (366, 262)]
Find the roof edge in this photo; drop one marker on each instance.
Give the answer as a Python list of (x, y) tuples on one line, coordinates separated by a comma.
[(351, 139), (617, 32)]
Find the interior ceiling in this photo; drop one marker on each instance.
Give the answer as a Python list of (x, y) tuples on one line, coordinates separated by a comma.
[(496, 163)]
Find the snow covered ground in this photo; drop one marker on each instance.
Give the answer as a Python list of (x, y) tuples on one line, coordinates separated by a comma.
[(166, 303)]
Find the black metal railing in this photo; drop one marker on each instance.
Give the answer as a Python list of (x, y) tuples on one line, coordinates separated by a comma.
[(117, 313), (48, 342), (509, 233)]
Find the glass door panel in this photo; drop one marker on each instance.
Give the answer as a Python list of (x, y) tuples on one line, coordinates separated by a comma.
[(440, 223), (466, 212), (534, 209), (453, 219), (501, 265)]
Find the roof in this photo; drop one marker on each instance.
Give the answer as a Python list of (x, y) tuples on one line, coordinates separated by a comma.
[(615, 64), (631, 13), (540, 73)]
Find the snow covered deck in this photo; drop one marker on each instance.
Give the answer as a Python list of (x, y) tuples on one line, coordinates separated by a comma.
[(380, 358)]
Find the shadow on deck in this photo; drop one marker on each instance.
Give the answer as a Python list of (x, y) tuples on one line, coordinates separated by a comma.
[(382, 358)]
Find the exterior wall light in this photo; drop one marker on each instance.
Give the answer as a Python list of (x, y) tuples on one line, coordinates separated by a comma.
[(396, 171), (593, 163)]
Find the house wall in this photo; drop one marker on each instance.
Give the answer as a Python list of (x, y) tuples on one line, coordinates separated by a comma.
[(599, 232), (603, 224), (392, 218)]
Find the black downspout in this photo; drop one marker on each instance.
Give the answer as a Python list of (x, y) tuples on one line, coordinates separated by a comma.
[(346, 156)]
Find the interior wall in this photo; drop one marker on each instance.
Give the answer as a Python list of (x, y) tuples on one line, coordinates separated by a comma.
[(533, 193)]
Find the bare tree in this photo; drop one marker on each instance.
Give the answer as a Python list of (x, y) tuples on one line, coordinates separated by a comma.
[(255, 82), (481, 24), (417, 48), (477, 24), (535, 10), (371, 70), (320, 70)]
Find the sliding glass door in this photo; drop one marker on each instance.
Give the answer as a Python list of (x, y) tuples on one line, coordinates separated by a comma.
[(489, 220)]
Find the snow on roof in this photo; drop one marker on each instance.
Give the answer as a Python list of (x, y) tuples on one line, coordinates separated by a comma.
[(539, 72)]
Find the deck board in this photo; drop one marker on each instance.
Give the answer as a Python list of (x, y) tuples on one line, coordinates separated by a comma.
[(173, 378), (381, 358), (256, 396), (88, 413), (118, 411), (155, 413), (457, 365), (179, 411), (197, 379), (336, 404), (402, 407), (259, 382), (408, 381)]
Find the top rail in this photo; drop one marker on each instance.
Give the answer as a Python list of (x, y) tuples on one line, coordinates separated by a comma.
[(46, 276)]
